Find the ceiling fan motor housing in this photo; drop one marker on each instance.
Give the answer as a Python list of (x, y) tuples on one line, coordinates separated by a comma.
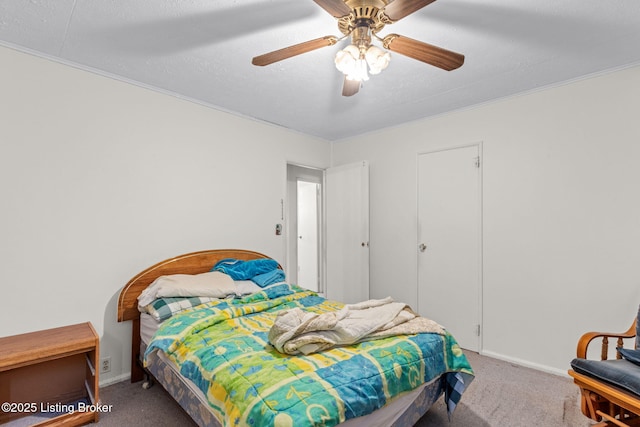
[(364, 13)]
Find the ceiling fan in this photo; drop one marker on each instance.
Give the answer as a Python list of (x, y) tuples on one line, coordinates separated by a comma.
[(362, 20)]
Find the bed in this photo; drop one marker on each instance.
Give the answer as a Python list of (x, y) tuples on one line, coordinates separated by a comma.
[(215, 359)]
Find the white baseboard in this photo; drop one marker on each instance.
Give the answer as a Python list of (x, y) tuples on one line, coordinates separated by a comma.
[(116, 379), (526, 363)]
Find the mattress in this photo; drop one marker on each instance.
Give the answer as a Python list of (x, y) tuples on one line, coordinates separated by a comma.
[(148, 327)]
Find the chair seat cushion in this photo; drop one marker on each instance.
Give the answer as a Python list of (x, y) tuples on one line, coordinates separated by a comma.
[(618, 372)]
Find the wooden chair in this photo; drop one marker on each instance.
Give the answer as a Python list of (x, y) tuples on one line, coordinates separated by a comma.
[(602, 401)]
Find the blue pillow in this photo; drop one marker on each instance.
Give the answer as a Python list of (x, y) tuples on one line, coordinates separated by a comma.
[(245, 270), (630, 355)]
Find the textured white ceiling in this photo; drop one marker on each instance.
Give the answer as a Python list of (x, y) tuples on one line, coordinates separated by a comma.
[(201, 50)]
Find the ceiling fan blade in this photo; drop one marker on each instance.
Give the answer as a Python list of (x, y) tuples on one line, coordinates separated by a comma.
[(337, 8), (433, 55), (350, 87), (298, 49), (398, 9)]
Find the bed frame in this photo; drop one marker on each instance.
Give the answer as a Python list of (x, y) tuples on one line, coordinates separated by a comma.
[(200, 262)]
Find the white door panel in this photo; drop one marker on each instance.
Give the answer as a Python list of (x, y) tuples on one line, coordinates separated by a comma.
[(449, 241), (347, 232), (308, 232)]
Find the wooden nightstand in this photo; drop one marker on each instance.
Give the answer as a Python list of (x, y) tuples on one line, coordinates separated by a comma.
[(44, 373)]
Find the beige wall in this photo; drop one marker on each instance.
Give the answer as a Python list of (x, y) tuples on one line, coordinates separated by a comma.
[(99, 179), (561, 212)]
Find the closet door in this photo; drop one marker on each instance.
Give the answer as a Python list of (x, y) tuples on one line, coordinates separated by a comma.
[(449, 241), (347, 232)]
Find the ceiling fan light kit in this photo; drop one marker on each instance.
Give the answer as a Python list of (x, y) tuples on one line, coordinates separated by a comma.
[(362, 20), (360, 55), (354, 61)]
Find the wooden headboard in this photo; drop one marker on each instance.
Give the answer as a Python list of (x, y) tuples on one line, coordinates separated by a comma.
[(191, 263)]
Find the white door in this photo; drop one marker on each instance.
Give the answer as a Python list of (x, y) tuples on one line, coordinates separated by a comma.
[(449, 241), (308, 234), (347, 232)]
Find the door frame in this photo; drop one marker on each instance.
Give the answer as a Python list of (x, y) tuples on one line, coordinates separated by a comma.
[(290, 229), (480, 302)]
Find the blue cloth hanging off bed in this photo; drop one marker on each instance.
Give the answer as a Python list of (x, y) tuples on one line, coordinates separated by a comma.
[(261, 271)]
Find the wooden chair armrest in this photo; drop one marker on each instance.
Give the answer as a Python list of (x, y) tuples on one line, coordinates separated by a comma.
[(585, 339)]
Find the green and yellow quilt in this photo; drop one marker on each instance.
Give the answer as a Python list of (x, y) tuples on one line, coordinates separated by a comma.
[(222, 346)]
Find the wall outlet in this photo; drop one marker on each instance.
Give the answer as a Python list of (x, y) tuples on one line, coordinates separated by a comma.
[(105, 365)]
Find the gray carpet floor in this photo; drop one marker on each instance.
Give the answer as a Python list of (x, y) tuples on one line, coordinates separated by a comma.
[(502, 394)]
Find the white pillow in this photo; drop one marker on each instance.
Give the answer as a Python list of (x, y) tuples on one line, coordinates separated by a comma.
[(213, 284), (244, 287)]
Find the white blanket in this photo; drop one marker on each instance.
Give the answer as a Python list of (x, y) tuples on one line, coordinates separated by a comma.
[(297, 331)]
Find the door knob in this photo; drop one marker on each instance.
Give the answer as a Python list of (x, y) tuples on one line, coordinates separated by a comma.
[(422, 247)]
